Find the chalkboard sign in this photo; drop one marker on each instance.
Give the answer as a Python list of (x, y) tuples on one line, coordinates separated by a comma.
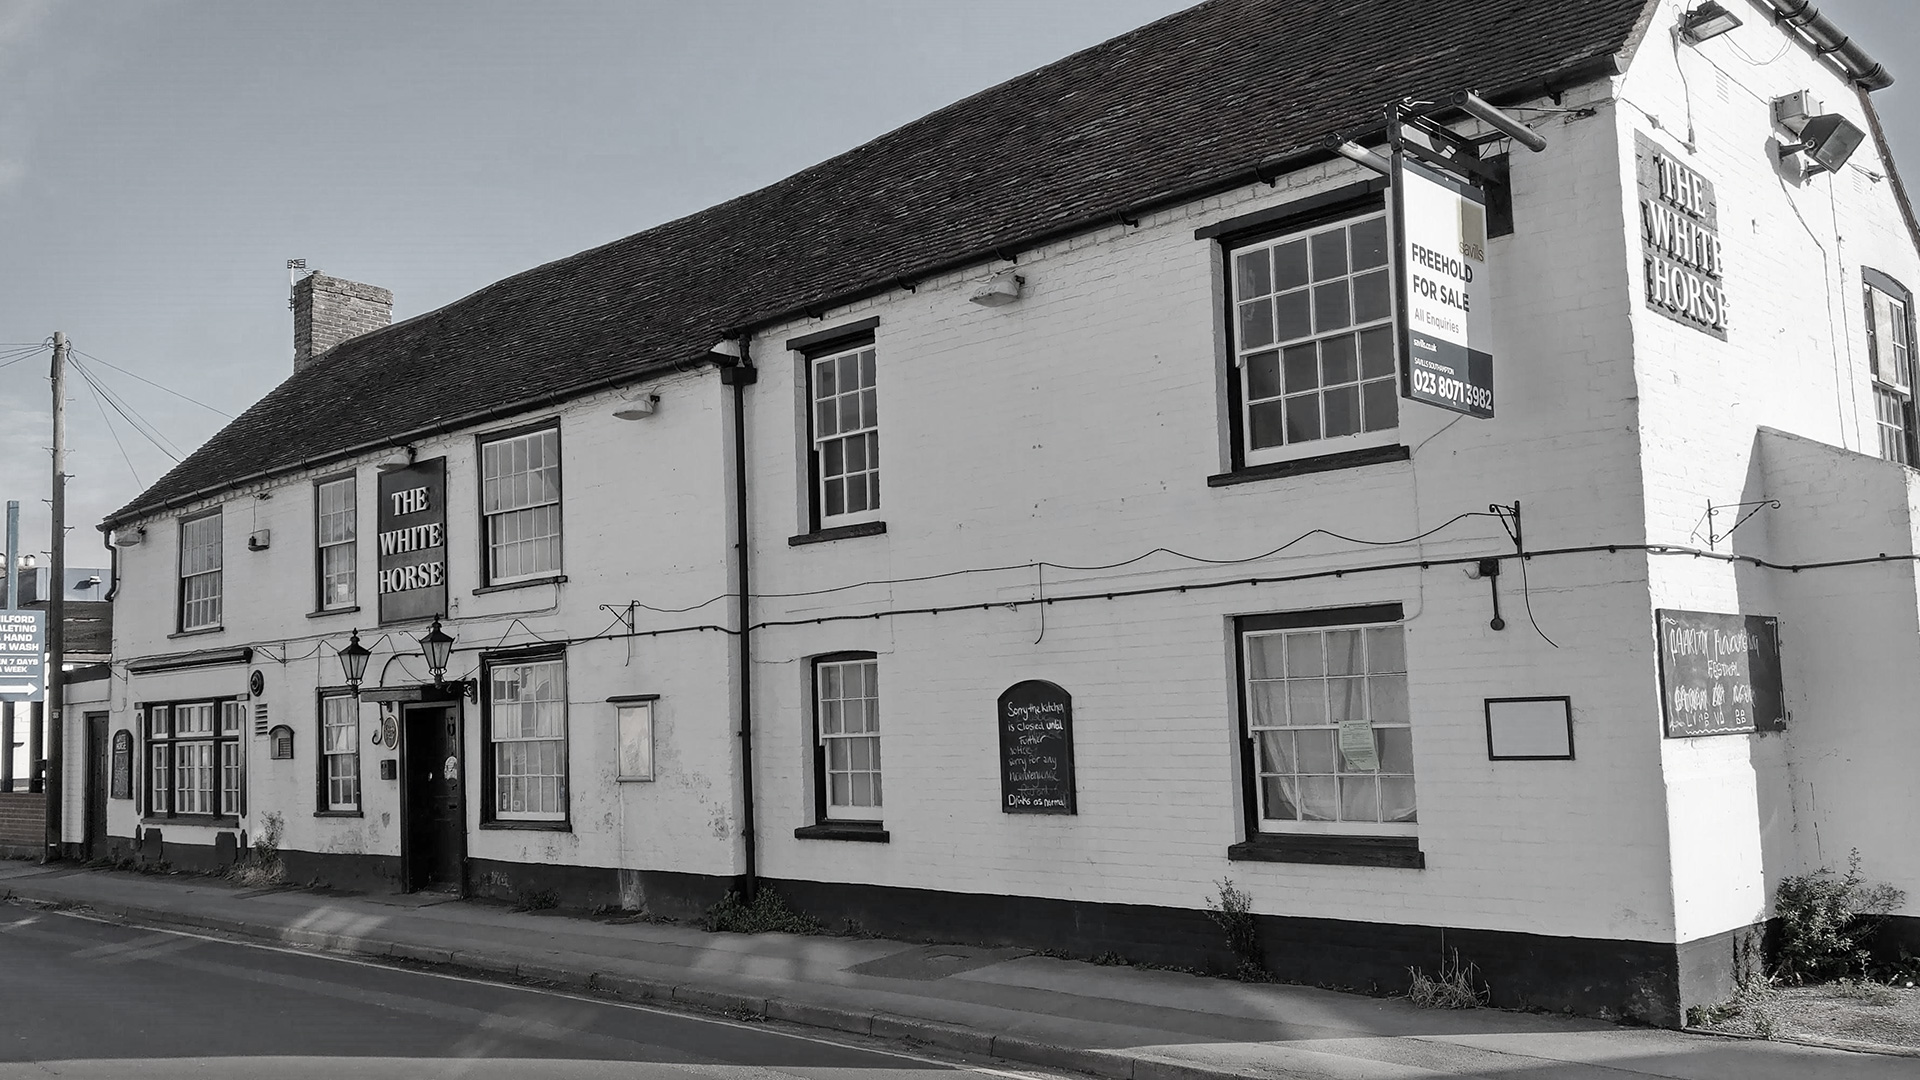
[(1036, 749), (121, 785), (1719, 674)]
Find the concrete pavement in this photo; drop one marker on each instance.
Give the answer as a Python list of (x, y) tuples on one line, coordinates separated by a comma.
[(1109, 1021)]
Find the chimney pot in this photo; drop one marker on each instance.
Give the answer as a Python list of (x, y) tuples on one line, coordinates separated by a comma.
[(330, 310)]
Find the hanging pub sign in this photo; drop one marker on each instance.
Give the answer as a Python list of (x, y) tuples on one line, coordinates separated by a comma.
[(412, 580), (1719, 674), (1680, 238), (1443, 289), (1035, 719)]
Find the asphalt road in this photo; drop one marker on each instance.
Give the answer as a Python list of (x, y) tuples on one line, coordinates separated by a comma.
[(84, 998)]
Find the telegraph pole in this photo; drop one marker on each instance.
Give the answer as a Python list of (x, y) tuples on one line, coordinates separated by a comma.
[(57, 602)]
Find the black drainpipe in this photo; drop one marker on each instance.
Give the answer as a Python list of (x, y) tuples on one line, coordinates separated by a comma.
[(740, 375)]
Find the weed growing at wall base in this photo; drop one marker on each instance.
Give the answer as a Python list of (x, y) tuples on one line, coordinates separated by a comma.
[(1232, 912), (1458, 986), (1824, 920), (768, 914)]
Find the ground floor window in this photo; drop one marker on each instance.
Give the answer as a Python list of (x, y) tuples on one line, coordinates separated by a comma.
[(527, 739), (339, 753), (847, 734), (1329, 736), (194, 763)]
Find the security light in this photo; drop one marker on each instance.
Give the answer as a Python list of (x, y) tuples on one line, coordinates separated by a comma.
[(638, 407), (397, 465), (353, 662), (1003, 289), (1709, 20), (438, 645), (1828, 140)]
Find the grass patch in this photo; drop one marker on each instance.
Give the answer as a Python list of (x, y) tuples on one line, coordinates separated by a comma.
[(536, 899)]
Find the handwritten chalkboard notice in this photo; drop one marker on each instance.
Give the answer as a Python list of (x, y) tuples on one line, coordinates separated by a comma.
[(121, 784), (1719, 674), (1036, 749)]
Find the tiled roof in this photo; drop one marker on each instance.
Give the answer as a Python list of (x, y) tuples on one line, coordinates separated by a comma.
[(1193, 100)]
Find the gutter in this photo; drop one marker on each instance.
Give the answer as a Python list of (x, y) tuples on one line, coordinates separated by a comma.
[(739, 375), (1819, 31)]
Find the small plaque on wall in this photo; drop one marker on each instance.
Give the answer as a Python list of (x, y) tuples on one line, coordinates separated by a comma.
[(1035, 719), (120, 785), (1530, 729)]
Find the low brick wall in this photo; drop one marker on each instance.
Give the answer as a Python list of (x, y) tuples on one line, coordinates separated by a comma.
[(23, 823)]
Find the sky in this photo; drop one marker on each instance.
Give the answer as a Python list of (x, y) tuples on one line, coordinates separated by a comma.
[(161, 160)]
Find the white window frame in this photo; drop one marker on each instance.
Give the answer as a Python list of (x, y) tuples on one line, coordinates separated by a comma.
[(506, 683), (843, 424), (1890, 357), (835, 700), (339, 753), (195, 762), (520, 504), (1264, 355), (201, 568), (1272, 726), (336, 548)]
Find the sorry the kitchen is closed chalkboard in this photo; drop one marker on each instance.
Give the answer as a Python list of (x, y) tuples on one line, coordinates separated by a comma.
[(1036, 749)]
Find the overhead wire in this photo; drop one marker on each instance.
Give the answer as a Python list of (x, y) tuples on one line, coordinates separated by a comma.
[(129, 414), (100, 404), (164, 389)]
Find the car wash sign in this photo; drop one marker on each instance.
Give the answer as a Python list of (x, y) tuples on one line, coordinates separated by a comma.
[(1680, 239), (412, 579), (1445, 295), (23, 655)]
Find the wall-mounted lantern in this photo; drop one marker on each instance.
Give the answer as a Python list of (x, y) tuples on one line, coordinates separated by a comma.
[(438, 647), (353, 662)]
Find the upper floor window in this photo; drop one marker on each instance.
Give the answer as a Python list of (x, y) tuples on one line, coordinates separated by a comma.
[(1890, 353), (1313, 340), (335, 529), (520, 505), (845, 434), (1327, 722), (200, 571)]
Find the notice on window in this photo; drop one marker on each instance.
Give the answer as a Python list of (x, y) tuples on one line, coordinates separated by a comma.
[(412, 580), (1035, 719), (1719, 674), (23, 655), (1356, 745), (1445, 293)]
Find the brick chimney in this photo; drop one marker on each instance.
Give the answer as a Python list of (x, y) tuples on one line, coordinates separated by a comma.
[(329, 310)]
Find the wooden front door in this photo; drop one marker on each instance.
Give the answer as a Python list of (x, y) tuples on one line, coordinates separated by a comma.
[(436, 822)]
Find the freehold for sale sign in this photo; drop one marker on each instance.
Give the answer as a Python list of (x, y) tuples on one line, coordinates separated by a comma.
[(1445, 295)]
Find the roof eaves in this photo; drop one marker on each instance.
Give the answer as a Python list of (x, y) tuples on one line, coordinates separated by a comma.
[(138, 509)]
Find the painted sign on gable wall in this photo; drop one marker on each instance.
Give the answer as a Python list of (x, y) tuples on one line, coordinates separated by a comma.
[(1680, 236)]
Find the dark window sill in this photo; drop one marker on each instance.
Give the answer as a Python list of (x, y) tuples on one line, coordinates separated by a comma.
[(1399, 851), (202, 632), (191, 819), (550, 579), (1349, 459), (838, 532), (338, 813), (324, 612), (530, 826), (871, 832)]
